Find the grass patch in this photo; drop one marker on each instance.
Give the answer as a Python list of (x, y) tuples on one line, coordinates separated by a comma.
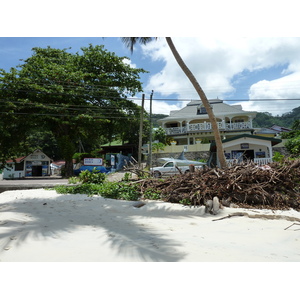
[(114, 190)]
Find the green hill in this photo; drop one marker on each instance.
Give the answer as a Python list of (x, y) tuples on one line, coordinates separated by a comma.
[(286, 120)]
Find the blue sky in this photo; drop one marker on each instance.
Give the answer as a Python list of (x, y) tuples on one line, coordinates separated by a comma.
[(227, 68), (236, 54)]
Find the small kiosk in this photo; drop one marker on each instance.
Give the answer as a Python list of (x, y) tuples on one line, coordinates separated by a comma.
[(36, 164)]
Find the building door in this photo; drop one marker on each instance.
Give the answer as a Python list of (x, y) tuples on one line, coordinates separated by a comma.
[(37, 171), (243, 155), (248, 155)]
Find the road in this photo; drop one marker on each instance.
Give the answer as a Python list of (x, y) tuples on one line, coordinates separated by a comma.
[(31, 183)]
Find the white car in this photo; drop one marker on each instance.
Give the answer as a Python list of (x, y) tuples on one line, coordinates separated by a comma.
[(171, 168)]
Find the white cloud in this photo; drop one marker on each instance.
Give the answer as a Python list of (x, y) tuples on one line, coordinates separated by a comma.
[(129, 62), (215, 61), (160, 107)]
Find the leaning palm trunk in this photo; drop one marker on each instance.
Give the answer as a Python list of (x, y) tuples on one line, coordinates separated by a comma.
[(212, 118)]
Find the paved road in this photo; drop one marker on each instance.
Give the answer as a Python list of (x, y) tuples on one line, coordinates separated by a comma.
[(31, 183)]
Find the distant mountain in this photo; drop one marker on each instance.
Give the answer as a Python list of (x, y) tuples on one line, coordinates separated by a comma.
[(156, 117), (265, 119)]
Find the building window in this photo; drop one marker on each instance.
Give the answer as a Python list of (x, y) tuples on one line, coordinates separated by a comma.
[(201, 110), (19, 166)]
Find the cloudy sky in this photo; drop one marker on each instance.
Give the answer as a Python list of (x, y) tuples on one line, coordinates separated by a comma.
[(261, 73)]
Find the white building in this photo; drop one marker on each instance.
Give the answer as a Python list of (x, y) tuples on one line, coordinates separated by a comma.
[(191, 131), (36, 164), (191, 123)]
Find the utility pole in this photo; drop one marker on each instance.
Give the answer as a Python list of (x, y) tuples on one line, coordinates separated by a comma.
[(150, 139), (141, 133)]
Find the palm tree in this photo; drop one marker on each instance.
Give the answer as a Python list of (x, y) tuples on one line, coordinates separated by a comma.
[(131, 41)]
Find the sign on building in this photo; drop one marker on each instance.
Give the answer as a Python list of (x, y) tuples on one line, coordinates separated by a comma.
[(93, 161)]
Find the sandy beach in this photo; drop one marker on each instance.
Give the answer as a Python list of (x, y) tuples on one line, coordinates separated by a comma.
[(43, 226)]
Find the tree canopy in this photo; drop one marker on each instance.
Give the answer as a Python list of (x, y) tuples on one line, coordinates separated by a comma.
[(74, 96)]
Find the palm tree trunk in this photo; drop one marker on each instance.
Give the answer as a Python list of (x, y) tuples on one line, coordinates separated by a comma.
[(212, 118)]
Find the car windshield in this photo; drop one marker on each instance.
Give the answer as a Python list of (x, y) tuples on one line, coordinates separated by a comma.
[(169, 164)]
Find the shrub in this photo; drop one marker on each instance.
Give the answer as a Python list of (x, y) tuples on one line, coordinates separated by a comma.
[(119, 190), (73, 180), (127, 176), (278, 157), (152, 194), (114, 190), (85, 188), (92, 177)]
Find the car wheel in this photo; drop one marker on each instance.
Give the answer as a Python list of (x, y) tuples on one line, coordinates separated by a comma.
[(156, 174)]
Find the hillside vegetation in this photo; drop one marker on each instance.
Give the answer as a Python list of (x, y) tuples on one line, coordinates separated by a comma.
[(265, 119)]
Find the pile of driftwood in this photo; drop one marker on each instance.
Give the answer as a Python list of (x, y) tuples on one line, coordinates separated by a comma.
[(275, 186)]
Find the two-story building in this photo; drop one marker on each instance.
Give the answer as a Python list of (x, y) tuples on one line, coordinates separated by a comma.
[(191, 131), (191, 123)]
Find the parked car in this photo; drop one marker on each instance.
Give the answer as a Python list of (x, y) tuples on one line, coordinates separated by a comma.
[(172, 167), (98, 169)]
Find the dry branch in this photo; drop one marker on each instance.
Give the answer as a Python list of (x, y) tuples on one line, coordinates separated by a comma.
[(248, 185)]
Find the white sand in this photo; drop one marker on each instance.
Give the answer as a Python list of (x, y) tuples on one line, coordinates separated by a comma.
[(43, 226)]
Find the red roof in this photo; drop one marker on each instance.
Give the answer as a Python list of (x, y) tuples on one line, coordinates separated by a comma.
[(59, 162), (17, 160)]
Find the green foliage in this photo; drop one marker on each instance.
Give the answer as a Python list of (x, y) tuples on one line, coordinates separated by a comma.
[(114, 190), (185, 201), (85, 188), (129, 192), (127, 176), (119, 190), (278, 157), (73, 180), (158, 146), (265, 120), (205, 140), (155, 118), (160, 135), (80, 156), (92, 177), (70, 95), (293, 146), (293, 143), (152, 194)]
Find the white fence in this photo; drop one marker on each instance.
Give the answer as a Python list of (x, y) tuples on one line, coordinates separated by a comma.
[(207, 126), (257, 161)]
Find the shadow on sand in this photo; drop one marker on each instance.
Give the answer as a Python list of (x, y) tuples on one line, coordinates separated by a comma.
[(125, 227)]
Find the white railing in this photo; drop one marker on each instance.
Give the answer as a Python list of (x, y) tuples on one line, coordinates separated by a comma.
[(257, 161), (175, 130), (239, 125), (262, 161), (207, 126)]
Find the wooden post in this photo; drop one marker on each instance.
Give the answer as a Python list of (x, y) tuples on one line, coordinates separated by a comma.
[(141, 133), (150, 140)]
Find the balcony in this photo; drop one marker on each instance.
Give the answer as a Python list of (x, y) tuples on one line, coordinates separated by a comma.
[(206, 126), (257, 161)]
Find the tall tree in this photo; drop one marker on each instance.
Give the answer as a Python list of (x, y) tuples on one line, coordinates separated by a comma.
[(75, 96), (131, 41)]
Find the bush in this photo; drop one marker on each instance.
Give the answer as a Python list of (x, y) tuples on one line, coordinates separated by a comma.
[(92, 177), (114, 190), (73, 180), (119, 190), (85, 188), (152, 194)]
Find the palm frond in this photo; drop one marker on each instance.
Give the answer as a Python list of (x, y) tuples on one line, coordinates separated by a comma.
[(131, 41)]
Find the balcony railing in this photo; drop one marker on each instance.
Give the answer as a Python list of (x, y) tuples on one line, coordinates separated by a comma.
[(257, 161), (206, 126)]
